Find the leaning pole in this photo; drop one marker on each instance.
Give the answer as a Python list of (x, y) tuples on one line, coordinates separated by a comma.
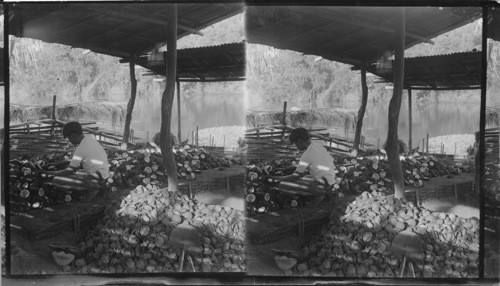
[(167, 100), (395, 106)]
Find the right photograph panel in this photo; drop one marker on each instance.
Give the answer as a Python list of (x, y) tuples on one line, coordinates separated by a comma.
[(491, 182), (362, 129)]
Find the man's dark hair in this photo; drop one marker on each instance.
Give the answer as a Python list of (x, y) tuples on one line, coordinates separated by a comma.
[(299, 133), (72, 128)]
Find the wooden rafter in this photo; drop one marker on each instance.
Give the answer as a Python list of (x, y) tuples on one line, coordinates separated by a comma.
[(131, 15), (362, 24)]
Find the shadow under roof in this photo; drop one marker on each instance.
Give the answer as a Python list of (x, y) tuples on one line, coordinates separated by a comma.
[(442, 72), (212, 63), (116, 29), (350, 35)]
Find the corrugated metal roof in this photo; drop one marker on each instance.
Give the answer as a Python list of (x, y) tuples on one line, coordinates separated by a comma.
[(442, 72), (116, 29), (212, 63), (351, 35)]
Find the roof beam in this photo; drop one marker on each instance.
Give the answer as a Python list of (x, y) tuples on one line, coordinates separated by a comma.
[(132, 16), (358, 23)]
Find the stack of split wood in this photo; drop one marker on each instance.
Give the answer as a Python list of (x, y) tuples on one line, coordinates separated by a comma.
[(272, 142), (45, 136)]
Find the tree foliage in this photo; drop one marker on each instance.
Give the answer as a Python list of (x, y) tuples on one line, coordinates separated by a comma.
[(39, 70)]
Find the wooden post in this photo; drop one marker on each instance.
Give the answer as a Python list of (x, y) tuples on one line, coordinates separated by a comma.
[(362, 109), (427, 144), (179, 110), (410, 146), (482, 135), (284, 122), (392, 147), (53, 116), (192, 137), (190, 191), (131, 102), (168, 99), (197, 139)]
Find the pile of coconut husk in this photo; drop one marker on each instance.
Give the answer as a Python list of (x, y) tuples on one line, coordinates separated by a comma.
[(357, 241), (133, 235)]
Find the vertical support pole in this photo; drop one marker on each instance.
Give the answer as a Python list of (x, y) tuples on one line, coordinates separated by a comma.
[(168, 100), (427, 144), (131, 102), (190, 190), (410, 145), (362, 109), (392, 147), (192, 137), (179, 110), (53, 116), (197, 139), (284, 121), (482, 139)]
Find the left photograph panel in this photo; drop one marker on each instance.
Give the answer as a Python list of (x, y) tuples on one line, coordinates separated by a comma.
[(126, 130)]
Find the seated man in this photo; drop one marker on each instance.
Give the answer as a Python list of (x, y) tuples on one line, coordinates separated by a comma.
[(402, 147), (317, 161), (156, 139), (89, 153)]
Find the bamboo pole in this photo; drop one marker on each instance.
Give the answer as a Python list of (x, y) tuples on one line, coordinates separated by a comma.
[(409, 120), (53, 114), (168, 98), (482, 140), (179, 110), (427, 144), (284, 121), (395, 106), (362, 109)]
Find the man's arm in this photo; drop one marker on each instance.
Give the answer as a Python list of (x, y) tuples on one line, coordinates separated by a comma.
[(64, 172), (291, 178)]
